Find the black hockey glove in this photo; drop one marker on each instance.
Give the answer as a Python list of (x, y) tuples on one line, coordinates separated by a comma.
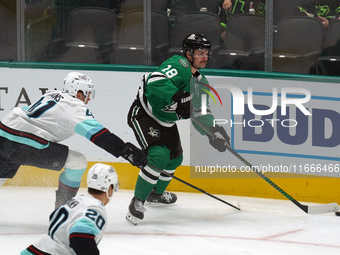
[(221, 140), (183, 100), (134, 155)]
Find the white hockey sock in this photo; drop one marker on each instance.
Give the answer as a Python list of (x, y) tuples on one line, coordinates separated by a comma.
[(2, 181)]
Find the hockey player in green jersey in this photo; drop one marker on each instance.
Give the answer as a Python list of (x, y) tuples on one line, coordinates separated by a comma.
[(166, 96)]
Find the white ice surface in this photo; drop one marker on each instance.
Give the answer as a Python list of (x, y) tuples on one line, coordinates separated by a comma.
[(197, 224)]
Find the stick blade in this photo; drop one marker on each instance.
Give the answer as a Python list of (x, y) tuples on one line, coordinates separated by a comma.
[(319, 209)]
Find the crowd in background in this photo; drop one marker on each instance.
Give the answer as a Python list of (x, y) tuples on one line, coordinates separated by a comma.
[(51, 17)]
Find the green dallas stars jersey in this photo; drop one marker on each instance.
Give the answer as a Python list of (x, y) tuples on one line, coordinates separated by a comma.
[(328, 9), (172, 76)]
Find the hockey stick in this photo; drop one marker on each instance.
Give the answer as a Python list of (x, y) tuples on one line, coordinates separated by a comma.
[(192, 186), (315, 209)]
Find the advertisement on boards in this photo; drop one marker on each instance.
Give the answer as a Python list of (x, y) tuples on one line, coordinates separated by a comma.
[(279, 126)]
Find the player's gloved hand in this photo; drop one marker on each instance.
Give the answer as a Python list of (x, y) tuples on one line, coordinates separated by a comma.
[(183, 100), (221, 140), (134, 155)]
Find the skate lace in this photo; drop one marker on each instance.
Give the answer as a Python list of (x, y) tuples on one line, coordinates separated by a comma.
[(139, 206), (167, 196)]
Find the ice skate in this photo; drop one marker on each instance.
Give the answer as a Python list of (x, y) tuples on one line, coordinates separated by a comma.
[(165, 198), (136, 211)]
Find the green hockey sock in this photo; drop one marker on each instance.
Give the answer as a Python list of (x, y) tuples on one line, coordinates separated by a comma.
[(142, 189), (161, 186)]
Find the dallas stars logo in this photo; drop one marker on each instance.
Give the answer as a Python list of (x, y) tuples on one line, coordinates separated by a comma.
[(171, 108), (154, 132)]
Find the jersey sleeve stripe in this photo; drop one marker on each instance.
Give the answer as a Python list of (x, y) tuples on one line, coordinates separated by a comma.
[(109, 142), (34, 250), (22, 137), (88, 127), (82, 235), (156, 76), (93, 137), (84, 226)]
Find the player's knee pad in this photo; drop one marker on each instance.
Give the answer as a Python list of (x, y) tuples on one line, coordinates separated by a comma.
[(75, 167), (75, 160)]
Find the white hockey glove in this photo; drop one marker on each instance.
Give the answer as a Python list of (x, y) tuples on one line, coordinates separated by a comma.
[(221, 140), (134, 155)]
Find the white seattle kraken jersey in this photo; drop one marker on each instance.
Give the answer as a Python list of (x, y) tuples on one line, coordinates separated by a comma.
[(54, 117), (82, 214)]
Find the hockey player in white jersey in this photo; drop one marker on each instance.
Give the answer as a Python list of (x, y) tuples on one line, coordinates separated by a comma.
[(31, 135), (78, 226)]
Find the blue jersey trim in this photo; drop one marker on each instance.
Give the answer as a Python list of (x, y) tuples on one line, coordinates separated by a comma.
[(23, 140), (88, 127), (84, 225)]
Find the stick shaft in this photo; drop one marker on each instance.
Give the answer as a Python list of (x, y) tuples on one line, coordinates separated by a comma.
[(192, 186), (302, 207)]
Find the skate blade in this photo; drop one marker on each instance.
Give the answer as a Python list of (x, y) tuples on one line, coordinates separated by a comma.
[(132, 219)]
